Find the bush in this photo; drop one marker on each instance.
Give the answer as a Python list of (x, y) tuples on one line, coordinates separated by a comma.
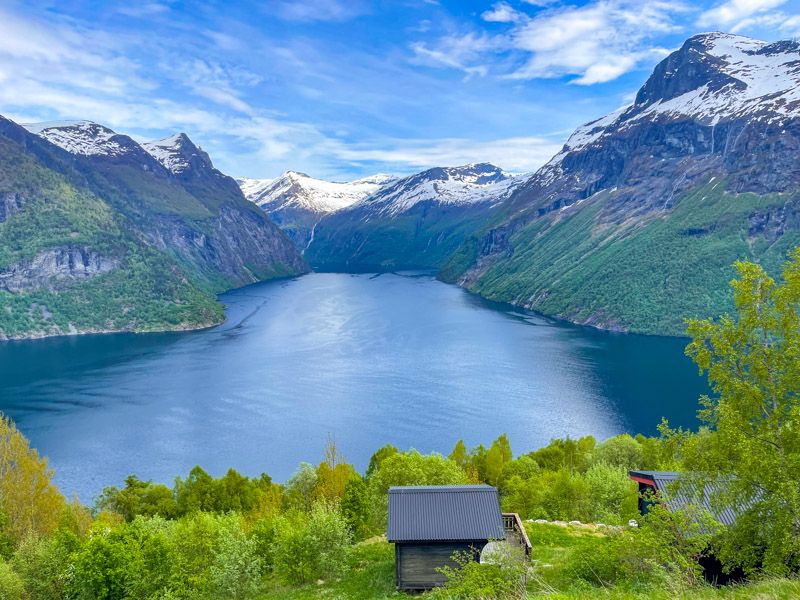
[(613, 496), (11, 587), (44, 565), (312, 546), (505, 578), (236, 570)]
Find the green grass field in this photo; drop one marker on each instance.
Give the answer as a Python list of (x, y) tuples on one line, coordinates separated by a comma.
[(371, 575)]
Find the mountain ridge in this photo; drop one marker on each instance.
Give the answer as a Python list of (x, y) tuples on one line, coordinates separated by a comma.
[(95, 221)]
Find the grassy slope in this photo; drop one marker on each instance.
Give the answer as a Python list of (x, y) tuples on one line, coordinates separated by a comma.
[(645, 277), (372, 575), (422, 238), (149, 291)]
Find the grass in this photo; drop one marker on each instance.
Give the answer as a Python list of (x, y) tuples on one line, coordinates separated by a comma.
[(371, 575)]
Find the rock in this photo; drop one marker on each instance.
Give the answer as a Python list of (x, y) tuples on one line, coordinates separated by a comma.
[(55, 268)]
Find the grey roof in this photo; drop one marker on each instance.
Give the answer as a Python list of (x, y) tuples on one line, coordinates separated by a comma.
[(688, 492), (444, 513)]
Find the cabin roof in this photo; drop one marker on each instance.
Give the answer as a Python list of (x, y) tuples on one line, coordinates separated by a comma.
[(444, 513), (676, 497)]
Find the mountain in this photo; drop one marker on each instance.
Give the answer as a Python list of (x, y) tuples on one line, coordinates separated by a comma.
[(413, 222), (297, 202), (634, 225), (100, 233)]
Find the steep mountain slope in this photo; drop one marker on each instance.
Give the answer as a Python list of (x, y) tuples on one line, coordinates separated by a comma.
[(297, 202), (96, 234), (635, 223), (413, 222)]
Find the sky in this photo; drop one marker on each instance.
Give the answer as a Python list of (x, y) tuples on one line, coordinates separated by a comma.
[(341, 89)]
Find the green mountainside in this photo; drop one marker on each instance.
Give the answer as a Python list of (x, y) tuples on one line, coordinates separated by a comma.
[(646, 276), (95, 243)]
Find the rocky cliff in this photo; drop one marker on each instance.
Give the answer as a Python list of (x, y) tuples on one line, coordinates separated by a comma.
[(635, 223)]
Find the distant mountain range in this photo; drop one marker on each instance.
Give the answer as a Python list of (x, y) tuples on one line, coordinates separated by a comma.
[(634, 224), (297, 202), (383, 222), (100, 233)]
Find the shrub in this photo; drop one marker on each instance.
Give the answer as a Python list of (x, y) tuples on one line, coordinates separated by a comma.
[(11, 587), (503, 579), (312, 546), (613, 496)]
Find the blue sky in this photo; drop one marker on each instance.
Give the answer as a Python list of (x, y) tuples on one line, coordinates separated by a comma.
[(344, 88)]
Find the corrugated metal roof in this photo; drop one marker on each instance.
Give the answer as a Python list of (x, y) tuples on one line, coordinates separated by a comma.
[(688, 491), (444, 513)]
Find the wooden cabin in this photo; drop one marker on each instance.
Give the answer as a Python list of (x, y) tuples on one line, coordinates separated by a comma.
[(427, 524), (661, 483)]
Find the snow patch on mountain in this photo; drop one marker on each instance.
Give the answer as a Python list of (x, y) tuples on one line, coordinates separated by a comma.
[(299, 191), (172, 152), (468, 184), (82, 137)]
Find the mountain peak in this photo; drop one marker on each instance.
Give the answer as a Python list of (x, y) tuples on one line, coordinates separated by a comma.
[(83, 137), (178, 153)]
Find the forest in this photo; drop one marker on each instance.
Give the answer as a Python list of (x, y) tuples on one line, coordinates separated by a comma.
[(321, 533)]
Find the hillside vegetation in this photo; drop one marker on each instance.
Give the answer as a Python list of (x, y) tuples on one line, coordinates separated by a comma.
[(110, 243), (646, 276)]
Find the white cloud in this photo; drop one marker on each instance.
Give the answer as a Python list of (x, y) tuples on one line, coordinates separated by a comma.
[(519, 154), (502, 12), (596, 42), (317, 10), (457, 51), (734, 14)]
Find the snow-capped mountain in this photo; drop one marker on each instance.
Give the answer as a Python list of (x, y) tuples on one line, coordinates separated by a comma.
[(297, 202), (412, 222), (707, 98), (299, 191), (700, 170), (84, 138), (177, 153), (468, 184)]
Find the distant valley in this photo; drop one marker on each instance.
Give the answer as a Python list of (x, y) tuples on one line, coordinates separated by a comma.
[(632, 226)]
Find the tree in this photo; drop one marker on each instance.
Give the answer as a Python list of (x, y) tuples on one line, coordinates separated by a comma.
[(459, 454), (29, 501), (497, 457), (620, 451), (138, 498), (355, 505), (377, 458), (332, 474), (751, 445), (409, 468), (300, 487)]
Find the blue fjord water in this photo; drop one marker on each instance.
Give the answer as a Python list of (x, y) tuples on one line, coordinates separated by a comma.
[(367, 359)]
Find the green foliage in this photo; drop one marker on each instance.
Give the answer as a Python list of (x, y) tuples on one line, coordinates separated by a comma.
[(569, 454), (356, 506), (570, 263), (312, 546), (504, 578), (138, 498), (408, 468), (751, 446), (11, 586)]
